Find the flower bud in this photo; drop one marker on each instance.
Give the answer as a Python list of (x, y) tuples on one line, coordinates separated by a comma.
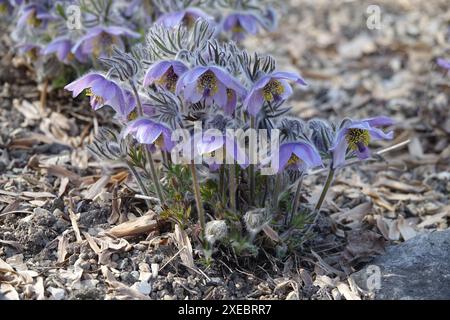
[(255, 220), (215, 230)]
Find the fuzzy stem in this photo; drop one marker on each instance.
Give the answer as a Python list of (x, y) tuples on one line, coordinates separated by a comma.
[(147, 153), (43, 98), (198, 199), (251, 167), (140, 182), (222, 183), (232, 181), (296, 197), (276, 190), (325, 189)]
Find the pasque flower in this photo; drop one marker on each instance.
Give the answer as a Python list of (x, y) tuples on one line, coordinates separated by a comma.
[(298, 155), (185, 17), (212, 84), (443, 63), (240, 24), (355, 137), (32, 51), (270, 88), (102, 91), (165, 74), (216, 149), (100, 40), (62, 48), (149, 132), (35, 16)]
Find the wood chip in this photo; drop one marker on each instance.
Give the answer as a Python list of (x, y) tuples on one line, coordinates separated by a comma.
[(138, 226)]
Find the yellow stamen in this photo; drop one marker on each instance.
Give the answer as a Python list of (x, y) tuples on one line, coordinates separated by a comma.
[(132, 115), (356, 137), (3, 8), (168, 80), (96, 99), (33, 20), (159, 142), (293, 160), (207, 82), (104, 43), (271, 89)]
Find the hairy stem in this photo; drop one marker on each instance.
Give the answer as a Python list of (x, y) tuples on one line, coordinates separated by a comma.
[(198, 199), (147, 153), (232, 181), (43, 98), (251, 167), (296, 198), (325, 189), (139, 182), (222, 184)]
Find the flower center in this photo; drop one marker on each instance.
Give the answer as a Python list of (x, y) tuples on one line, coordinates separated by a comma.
[(132, 115), (293, 160), (169, 80), (357, 139), (207, 83), (94, 98), (3, 8), (237, 28), (33, 20), (272, 90), (104, 43), (159, 142)]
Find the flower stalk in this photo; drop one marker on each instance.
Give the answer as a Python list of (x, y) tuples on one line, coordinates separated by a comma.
[(198, 199), (147, 153)]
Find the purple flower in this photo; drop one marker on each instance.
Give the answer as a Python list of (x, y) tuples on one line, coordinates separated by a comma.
[(149, 132), (5, 7), (443, 63), (298, 156), (30, 50), (35, 16), (216, 148), (102, 92), (185, 17), (100, 40), (62, 48), (241, 24), (270, 88), (212, 84), (165, 74), (355, 136)]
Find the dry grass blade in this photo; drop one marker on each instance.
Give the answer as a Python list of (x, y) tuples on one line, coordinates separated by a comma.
[(184, 245), (135, 227)]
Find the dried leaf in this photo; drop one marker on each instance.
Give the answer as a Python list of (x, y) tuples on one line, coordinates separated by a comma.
[(135, 227), (184, 245)]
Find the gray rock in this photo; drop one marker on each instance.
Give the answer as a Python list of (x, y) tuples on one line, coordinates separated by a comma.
[(416, 269)]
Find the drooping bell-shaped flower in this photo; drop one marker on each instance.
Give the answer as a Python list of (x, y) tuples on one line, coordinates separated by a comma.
[(102, 92), (270, 88), (185, 17), (99, 41), (32, 51), (165, 74), (150, 132), (240, 24), (213, 84), (298, 155), (34, 15), (355, 137), (216, 149), (62, 47)]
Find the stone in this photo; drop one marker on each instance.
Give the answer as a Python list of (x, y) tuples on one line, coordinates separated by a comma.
[(416, 269)]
